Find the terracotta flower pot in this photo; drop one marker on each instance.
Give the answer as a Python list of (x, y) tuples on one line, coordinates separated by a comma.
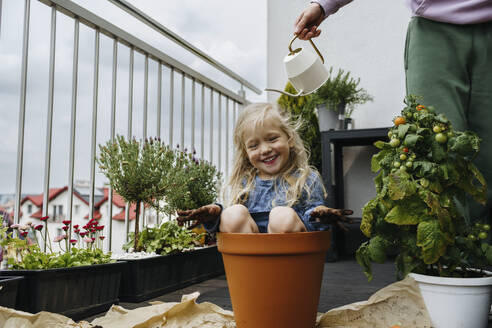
[(274, 279)]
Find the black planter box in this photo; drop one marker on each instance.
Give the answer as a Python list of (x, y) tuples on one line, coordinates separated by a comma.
[(8, 290), (76, 292), (146, 278)]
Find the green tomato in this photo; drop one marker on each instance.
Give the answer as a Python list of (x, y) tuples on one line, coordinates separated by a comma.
[(441, 138), (403, 157), (409, 164), (436, 129), (450, 134), (486, 227), (472, 237), (390, 134), (482, 235), (403, 168), (424, 182), (394, 142), (409, 115), (396, 164)]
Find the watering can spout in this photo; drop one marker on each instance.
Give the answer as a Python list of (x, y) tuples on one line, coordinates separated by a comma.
[(304, 69), (300, 93)]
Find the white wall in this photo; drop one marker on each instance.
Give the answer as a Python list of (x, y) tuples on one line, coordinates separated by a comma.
[(366, 38)]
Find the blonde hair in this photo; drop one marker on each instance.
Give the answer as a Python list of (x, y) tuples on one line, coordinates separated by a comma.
[(297, 169)]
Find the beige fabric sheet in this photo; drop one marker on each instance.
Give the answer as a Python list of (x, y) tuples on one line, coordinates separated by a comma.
[(398, 303)]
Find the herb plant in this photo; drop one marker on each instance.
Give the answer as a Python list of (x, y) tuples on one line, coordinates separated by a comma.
[(341, 89), (193, 183), (425, 174), (137, 171), (168, 238)]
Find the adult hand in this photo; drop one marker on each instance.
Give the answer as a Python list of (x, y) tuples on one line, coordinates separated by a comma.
[(200, 215), (332, 216), (306, 25)]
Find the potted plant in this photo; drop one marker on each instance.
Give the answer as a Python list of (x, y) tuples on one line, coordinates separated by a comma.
[(183, 262), (137, 171), (167, 180), (336, 100), (263, 271), (78, 282), (425, 174), (302, 109)]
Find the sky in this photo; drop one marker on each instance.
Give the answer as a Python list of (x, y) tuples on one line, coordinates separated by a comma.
[(232, 32)]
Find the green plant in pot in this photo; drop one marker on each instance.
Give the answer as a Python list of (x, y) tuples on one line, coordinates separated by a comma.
[(302, 109), (426, 172), (337, 97), (137, 171)]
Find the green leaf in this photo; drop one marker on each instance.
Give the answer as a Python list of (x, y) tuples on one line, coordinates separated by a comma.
[(377, 158), (411, 140), (368, 217), (364, 259), (432, 241), (465, 144), (379, 144), (408, 212), (402, 130), (400, 186), (377, 249)]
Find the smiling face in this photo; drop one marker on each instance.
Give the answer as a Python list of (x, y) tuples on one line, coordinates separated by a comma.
[(267, 147)]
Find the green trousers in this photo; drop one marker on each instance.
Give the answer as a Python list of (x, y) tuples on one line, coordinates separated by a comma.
[(451, 67)]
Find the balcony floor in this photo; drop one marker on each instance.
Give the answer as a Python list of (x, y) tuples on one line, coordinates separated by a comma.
[(343, 283)]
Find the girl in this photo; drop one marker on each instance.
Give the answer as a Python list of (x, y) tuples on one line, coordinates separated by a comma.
[(272, 187)]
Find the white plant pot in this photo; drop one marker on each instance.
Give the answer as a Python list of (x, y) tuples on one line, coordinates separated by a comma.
[(456, 302), (330, 119)]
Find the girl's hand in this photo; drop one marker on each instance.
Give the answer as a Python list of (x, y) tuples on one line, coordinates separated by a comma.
[(333, 216), (200, 215)]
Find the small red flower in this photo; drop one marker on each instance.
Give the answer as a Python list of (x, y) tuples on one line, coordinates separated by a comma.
[(101, 237), (73, 241), (65, 228), (23, 233), (39, 227), (44, 218), (76, 226), (99, 228), (93, 238), (83, 233), (66, 222), (76, 231)]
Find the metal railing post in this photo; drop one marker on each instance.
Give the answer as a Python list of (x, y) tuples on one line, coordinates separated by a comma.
[(94, 125), (112, 133), (73, 117), (129, 129), (22, 112), (49, 121), (182, 136), (171, 106)]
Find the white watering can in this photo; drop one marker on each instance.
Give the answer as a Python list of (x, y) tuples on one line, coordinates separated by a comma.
[(305, 70)]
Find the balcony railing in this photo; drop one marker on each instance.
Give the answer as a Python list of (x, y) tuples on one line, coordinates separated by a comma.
[(201, 87)]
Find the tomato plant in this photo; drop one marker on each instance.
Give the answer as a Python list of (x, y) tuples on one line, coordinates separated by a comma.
[(399, 120), (420, 193)]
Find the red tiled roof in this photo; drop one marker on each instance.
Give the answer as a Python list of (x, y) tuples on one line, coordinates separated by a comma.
[(38, 199), (38, 214), (117, 199), (121, 216), (97, 215)]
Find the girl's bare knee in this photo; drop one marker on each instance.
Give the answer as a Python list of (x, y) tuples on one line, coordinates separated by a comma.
[(284, 219), (235, 218)]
